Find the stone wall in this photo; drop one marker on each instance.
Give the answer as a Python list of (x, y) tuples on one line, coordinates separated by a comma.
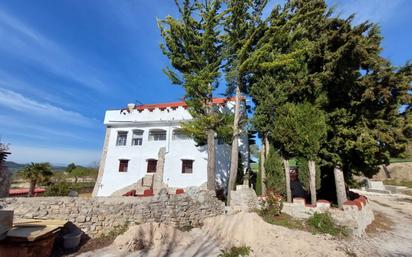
[(356, 215), (243, 199), (100, 215)]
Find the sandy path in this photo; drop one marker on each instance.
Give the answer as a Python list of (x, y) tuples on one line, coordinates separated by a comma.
[(393, 236)]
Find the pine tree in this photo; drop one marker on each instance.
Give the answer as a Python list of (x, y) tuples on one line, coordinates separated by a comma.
[(193, 46)]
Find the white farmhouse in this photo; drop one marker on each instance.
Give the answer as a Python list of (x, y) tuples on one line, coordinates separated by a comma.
[(144, 145)]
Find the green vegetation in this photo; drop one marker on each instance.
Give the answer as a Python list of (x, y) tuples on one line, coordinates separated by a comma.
[(283, 220), (322, 90), (36, 173), (63, 188), (396, 182), (275, 174), (303, 169), (318, 223), (236, 251), (398, 160), (323, 223)]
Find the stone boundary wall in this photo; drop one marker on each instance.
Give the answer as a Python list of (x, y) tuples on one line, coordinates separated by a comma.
[(356, 214), (100, 215)]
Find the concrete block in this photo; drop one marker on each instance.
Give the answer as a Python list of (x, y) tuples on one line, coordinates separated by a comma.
[(374, 184), (299, 201)]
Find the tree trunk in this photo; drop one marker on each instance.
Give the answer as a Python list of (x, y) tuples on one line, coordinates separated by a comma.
[(211, 161), (32, 187), (287, 179), (340, 186), (234, 160), (312, 181), (267, 146), (262, 171)]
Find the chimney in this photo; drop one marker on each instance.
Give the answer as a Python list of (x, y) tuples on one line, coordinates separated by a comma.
[(130, 107)]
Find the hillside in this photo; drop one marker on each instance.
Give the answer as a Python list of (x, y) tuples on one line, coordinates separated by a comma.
[(13, 167)]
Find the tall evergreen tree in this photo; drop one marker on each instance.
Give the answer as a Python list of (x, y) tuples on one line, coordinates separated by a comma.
[(193, 46), (300, 130), (336, 66), (240, 26), (275, 180)]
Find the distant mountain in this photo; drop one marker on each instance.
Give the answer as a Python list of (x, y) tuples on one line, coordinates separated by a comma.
[(14, 167)]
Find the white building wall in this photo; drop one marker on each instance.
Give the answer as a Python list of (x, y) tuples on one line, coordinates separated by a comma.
[(176, 150)]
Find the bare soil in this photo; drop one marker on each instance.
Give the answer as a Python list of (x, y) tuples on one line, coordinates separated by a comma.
[(389, 235)]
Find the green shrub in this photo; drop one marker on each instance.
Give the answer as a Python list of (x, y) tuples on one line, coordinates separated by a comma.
[(275, 173), (302, 165), (63, 188), (284, 220), (58, 189), (236, 251), (323, 223)]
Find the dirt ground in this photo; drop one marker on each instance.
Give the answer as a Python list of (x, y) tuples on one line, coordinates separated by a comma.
[(390, 235)]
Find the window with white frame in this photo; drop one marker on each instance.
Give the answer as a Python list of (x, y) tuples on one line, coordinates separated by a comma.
[(121, 138), (137, 137), (157, 135), (179, 135)]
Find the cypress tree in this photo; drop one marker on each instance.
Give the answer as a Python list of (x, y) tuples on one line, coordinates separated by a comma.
[(275, 180), (193, 45), (240, 26)]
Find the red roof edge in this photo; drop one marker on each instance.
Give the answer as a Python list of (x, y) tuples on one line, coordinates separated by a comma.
[(218, 101)]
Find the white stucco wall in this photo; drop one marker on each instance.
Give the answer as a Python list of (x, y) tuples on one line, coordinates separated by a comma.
[(176, 150)]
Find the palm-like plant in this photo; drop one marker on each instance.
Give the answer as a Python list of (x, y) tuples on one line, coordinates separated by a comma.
[(4, 174), (35, 173)]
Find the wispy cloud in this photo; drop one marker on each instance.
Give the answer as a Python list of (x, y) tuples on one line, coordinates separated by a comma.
[(16, 126), (21, 40), (25, 154), (20, 103), (379, 11)]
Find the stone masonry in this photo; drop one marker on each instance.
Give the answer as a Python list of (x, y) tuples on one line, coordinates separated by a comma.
[(356, 214), (243, 199), (100, 215)]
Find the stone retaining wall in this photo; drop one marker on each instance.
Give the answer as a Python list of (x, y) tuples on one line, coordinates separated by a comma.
[(356, 214), (100, 215)]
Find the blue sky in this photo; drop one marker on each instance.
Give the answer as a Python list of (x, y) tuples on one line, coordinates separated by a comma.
[(63, 63)]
